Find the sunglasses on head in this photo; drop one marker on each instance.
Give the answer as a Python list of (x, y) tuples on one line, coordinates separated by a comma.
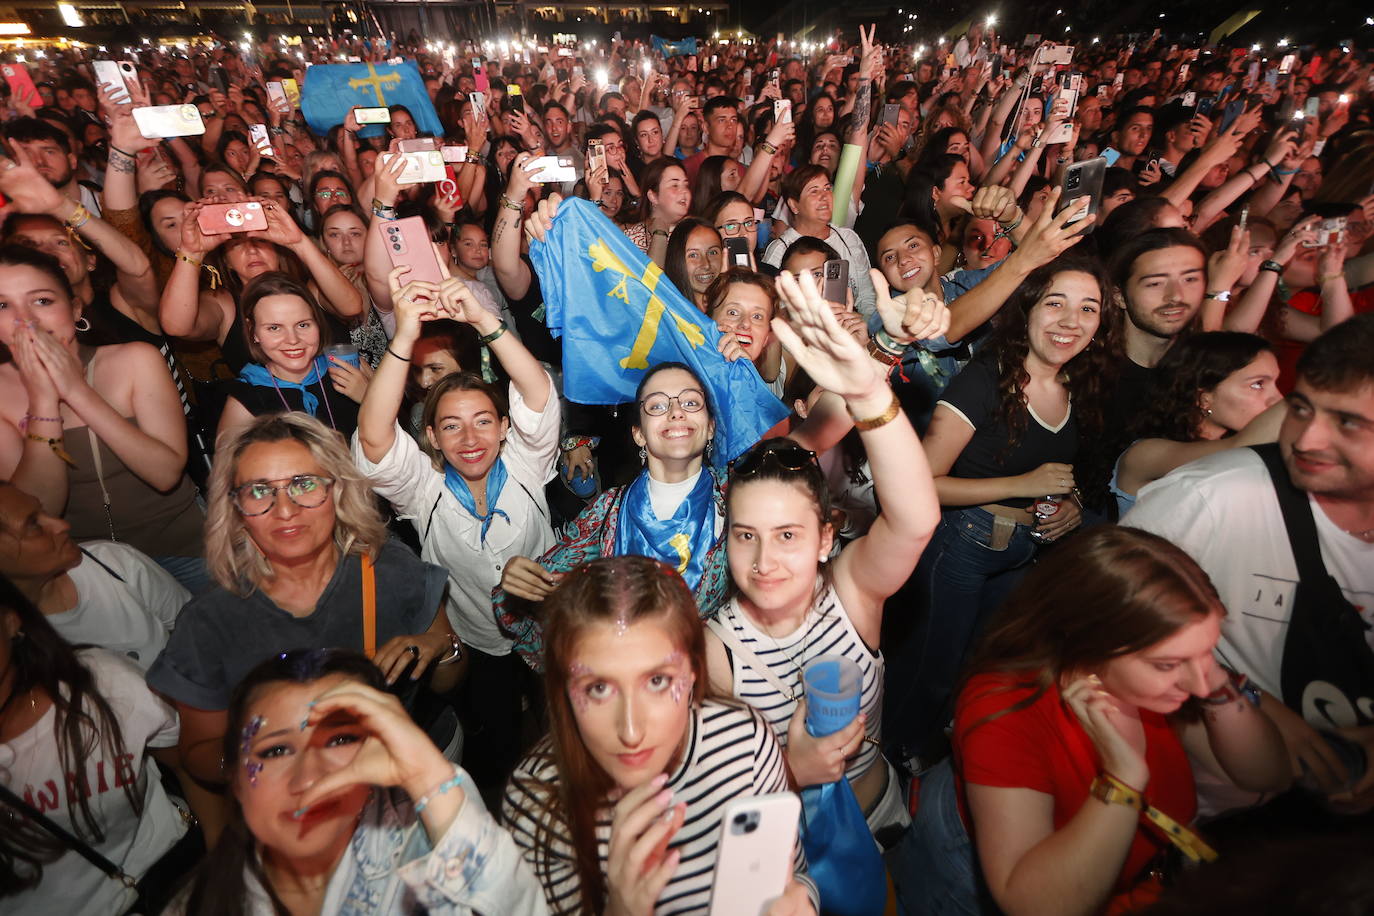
[(789, 457)]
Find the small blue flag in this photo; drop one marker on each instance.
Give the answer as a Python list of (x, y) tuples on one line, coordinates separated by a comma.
[(674, 48), (330, 90), (619, 315)]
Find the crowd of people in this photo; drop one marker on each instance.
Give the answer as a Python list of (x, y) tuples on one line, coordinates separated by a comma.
[(321, 592)]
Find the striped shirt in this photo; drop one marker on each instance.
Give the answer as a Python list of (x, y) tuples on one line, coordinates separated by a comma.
[(825, 631), (730, 754)]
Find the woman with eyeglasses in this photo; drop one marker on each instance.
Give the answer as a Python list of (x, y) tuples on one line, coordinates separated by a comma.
[(671, 511), (733, 216), (300, 559), (327, 189), (794, 599)]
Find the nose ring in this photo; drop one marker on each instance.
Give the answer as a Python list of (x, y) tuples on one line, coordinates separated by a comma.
[(756, 567)]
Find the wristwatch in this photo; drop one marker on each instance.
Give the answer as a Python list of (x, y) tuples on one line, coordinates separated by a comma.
[(1237, 687)]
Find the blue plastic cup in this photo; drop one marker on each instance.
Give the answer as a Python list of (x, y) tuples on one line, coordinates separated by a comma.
[(834, 685), (344, 353)]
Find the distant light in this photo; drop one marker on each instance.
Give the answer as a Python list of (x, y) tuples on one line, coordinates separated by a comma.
[(16, 28), (69, 15), (1095, 39), (1254, 47), (1283, 42), (992, 19)]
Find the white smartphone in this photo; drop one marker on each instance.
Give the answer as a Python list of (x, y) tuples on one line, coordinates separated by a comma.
[(276, 92), (782, 110), (158, 121), (117, 75), (421, 168), (372, 115), (551, 169), (454, 153), (758, 839), (262, 141)]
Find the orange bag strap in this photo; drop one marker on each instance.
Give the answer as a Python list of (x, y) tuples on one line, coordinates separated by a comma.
[(369, 607)]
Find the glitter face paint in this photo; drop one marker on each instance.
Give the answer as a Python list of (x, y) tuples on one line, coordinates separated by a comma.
[(622, 624), (253, 767), (250, 731), (579, 699)]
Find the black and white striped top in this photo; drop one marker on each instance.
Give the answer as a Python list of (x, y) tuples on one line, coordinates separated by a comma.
[(825, 631), (730, 753)]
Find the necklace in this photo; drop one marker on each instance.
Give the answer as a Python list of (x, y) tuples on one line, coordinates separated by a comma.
[(799, 665)]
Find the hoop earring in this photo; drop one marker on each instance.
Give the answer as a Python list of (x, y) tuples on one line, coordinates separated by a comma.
[(81, 321)]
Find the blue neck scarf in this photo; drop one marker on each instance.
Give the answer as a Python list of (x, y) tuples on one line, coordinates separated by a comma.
[(496, 481), (681, 541), (261, 376)]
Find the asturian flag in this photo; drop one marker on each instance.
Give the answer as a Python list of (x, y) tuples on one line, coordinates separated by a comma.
[(619, 315), (330, 90)]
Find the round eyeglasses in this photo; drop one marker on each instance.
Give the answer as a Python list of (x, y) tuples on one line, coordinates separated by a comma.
[(735, 227), (657, 404), (309, 491)]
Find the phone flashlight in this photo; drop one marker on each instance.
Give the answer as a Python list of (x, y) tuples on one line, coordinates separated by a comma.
[(601, 78)]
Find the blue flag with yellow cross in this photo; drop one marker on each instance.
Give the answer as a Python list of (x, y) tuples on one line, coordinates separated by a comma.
[(330, 90), (618, 315)]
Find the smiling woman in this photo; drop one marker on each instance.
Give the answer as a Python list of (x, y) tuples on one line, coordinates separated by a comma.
[(330, 779)]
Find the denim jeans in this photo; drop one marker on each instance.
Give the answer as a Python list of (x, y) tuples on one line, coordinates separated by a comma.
[(961, 580), (934, 868)]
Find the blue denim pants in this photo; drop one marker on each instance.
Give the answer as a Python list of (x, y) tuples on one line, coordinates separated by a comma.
[(934, 868), (961, 580)]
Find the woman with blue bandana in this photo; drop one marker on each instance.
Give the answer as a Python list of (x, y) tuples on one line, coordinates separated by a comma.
[(287, 332), (477, 498)]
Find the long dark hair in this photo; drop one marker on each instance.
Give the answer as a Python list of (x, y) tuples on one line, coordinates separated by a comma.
[(932, 173), (84, 726), (1194, 364), (1118, 591), (1083, 375), (625, 588), (675, 258), (217, 886)]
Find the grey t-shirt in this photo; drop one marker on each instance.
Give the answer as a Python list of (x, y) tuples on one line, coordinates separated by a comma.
[(220, 637)]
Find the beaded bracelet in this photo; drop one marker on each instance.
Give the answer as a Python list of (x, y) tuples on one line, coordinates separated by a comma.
[(24, 423), (423, 801), (55, 445)]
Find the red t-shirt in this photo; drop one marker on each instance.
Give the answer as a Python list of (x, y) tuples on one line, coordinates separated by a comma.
[(1043, 747), (1309, 301)]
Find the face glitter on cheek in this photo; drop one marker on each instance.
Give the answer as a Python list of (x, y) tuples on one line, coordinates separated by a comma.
[(681, 685), (578, 697), (253, 768)]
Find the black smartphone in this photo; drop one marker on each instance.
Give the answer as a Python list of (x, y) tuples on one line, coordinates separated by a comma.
[(1083, 180), (835, 281), (891, 112), (737, 252)]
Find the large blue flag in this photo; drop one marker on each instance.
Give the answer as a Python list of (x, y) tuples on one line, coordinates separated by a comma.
[(618, 315), (330, 90), (674, 48)]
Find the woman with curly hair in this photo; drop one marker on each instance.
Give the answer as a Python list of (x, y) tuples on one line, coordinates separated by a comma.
[(1002, 441), (1211, 391)]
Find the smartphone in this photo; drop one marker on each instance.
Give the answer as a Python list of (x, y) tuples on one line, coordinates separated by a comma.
[(1253, 74), (737, 252), (1083, 180), (293, 92), (1190, 99), (596, 155), (891, 113), (1206, 106), (219, 79), (479, 76), (515, 98), (1244, 217), (408, 244), (454, 153), (276, 93), (1230, 113), (420, 168), (775, 76), (1118, 82), (758, 838), (117, 75), (257, 133), (835, 281), (479, 102), (782, 110), (222, 219), (372, 115), (1055, 54), (158, 121), (1310, 108), (1289, 61), (417, 145), (1066, 101), (577, 71), (1325, 229), (21, 84), (551, 169)]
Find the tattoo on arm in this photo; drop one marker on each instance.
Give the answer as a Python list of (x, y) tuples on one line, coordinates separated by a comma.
[(858, 122), (122, 163)]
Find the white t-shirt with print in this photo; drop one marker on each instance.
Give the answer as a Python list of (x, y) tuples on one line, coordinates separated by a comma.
[(1223, 511), (30, 767)]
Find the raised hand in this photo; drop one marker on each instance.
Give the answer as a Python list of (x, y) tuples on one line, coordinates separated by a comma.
[(638, 865), (817, 761), (27, 190), (1095, 710), (1226, 265), (833, 358), (1051, 234)]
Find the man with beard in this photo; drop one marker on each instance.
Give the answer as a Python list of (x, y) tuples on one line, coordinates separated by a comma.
[(1161, 275), (1286, 534), (50, 150)]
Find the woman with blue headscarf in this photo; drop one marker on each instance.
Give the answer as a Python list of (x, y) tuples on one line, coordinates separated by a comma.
[(477, 498), (287, 334)]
